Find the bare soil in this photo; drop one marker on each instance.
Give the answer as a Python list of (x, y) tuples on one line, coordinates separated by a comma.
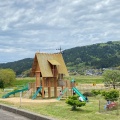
[(24, 100)]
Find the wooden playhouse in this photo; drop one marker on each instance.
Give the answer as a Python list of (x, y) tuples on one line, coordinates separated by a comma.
[(49, 70)]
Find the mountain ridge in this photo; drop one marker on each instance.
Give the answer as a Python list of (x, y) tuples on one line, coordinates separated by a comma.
[(100, 55)]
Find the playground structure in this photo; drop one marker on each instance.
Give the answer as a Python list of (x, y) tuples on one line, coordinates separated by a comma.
[(67, 87), (49, 70), (70, 89), (24, 88)]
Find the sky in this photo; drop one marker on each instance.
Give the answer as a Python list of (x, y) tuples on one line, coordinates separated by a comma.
[(29, 26)]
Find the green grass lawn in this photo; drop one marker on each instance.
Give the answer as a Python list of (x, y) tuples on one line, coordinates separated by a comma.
[(23, 81), (79, 79), (1, 93), (87, 79), (62, 111)]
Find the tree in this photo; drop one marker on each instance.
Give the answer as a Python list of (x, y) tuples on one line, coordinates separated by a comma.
[(1, 84), (111, 77), (26, 73), (7, 77), (74, 102), (111, 95)]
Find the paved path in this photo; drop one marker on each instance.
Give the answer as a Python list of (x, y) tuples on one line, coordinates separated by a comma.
[(5, 115)]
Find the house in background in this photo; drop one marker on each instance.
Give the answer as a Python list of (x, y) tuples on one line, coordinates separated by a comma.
[(49, 70)]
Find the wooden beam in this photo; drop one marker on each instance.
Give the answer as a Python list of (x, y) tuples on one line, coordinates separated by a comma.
[(37, 79), (55, 87), (43, 88), (49, 88)]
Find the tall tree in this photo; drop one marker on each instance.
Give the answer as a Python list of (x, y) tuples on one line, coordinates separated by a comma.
[(111, 77), (7, 77)]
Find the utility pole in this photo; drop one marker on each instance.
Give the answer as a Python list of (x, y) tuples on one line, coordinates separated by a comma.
[(60, 49)]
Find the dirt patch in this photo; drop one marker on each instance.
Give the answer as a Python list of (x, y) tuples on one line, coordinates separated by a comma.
[(24, 100)]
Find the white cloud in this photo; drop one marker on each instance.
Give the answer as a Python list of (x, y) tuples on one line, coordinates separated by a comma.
[(28, 26), (102, 4)]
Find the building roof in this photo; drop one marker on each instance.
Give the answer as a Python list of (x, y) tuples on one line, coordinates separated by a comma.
[(54, 62), (44, 60)]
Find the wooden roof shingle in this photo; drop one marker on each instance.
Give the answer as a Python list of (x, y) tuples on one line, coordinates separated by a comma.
[(44, 60)]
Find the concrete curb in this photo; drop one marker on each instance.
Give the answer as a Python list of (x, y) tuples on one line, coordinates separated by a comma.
[(24, 113)]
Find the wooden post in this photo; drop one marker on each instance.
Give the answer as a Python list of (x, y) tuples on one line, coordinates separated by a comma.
[(20, 98), (55, 87), (43, 88), (66, 87), (99, 105), (71, 91), (62, 88), (49, 88), (37, 79)]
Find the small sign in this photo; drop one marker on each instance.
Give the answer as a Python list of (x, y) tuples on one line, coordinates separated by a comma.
[(94, 84)]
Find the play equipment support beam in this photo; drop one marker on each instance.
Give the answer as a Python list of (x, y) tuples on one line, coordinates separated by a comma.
[(55, 87), (37, 79), (43, 88), (49, 88)]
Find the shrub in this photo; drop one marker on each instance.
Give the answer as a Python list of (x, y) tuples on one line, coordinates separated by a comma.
[(90, 94), (74, 102), (111, 95), (1, 84), (96, 92)]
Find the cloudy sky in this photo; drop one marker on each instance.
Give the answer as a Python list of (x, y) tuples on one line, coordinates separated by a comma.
[(28, 26)]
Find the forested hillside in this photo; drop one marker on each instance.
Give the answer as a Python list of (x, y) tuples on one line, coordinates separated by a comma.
[(101, 55), (18, 66)]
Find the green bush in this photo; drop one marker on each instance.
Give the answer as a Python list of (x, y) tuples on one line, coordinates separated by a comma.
[(1, 84), (74, 102), (7, 77), (90, 94), (96, 92), (111, 95)]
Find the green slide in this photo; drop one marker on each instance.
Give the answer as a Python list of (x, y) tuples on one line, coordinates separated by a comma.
[(64, 91), (16, 91), (35, 95), (79, 93)]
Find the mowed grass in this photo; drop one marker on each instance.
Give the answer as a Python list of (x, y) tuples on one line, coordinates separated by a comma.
[(61, 111), (23, 81), (88, 79), (78, 79), (1, 93)]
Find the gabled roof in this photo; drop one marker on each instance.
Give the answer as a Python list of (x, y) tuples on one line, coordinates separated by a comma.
[(44, 60)]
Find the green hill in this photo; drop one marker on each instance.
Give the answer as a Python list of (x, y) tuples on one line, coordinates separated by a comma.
[(102, 55), (18, 66)]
